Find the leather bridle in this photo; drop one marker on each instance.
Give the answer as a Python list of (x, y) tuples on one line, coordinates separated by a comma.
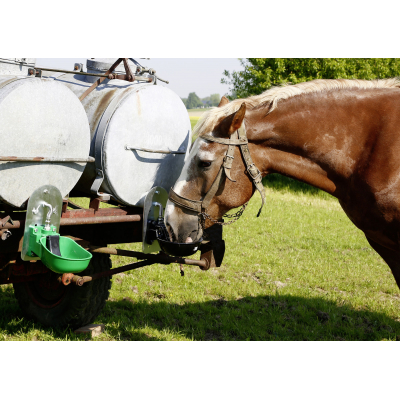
[(200, 206)]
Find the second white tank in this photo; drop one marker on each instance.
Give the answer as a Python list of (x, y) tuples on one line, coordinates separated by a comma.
[(124, 118)]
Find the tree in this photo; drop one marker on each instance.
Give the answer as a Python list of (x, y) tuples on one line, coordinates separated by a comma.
[(260, 74), (215, 99), (206, 101), (193, 101), (184, 101), (212, 100)]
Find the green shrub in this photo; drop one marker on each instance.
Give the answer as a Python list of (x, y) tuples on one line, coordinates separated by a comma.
[(259, 74)]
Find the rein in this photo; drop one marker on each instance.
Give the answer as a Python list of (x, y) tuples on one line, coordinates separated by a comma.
[(200, 206)]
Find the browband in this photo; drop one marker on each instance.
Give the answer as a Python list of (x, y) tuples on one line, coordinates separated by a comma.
[(233, 142)]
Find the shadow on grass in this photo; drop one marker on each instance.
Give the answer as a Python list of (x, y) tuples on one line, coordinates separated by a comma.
[(279, 317), (283, 183), (255, 318)]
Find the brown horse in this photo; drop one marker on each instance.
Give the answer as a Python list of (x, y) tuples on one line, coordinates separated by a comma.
[(341, 136)]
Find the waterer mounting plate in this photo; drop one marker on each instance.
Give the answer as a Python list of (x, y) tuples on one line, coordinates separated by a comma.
[(154, 206)]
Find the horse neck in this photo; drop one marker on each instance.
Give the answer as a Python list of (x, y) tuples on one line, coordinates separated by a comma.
[(314, 139)]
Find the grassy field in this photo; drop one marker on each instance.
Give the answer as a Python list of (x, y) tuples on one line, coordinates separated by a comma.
[(198, 109), (193, 121), (301, 271)]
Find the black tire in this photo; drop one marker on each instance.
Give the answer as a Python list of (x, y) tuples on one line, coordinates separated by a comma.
[(53, 304)]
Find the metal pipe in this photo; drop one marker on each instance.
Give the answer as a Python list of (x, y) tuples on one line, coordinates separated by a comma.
[(155, 151), (80, 280), (66, 71), (83, 221), (47, 159), (156, 258), (137, 77), (100, 220)]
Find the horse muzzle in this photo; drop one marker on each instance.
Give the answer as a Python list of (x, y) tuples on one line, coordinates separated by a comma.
[(182, 234)]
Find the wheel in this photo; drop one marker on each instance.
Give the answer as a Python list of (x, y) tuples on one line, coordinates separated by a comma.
[(53, 304)]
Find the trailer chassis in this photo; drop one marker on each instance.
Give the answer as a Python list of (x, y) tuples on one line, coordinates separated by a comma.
[(93, 228)]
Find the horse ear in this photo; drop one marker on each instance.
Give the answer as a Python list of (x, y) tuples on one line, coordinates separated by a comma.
[(231, 123), (237, 119), (223, 102)]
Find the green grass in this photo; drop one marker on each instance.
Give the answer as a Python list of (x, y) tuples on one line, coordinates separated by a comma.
[(198, 109), (301, 271), (193, 121)]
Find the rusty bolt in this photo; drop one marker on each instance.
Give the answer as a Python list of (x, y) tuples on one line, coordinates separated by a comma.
[(67, 279), (76, 68)]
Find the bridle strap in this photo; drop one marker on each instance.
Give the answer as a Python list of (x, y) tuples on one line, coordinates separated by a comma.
[(192, 205), (195, 205), (231, 141), (213, 189), (253, 171), (229, 157)]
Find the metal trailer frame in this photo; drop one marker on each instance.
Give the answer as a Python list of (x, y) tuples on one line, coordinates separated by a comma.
[(93, 228)]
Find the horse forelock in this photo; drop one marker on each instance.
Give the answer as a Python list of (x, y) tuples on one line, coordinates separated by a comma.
[(270, 98)]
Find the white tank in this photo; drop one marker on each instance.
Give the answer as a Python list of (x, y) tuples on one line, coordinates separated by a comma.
[(39, 118), (125, 117)]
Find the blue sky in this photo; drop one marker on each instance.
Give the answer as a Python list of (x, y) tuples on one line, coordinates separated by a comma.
[(199, 75)]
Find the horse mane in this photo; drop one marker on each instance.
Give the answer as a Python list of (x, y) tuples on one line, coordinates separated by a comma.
[(270, 98)]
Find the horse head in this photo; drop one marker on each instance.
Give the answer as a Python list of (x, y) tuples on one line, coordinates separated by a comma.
[(208, 183)]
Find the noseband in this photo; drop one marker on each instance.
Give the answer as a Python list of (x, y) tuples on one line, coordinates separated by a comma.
[(200, 206)]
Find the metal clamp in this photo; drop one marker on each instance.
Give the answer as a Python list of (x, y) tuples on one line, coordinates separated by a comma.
[(37, 73)]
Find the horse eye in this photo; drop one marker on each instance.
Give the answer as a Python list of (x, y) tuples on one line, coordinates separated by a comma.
[(204, 164)]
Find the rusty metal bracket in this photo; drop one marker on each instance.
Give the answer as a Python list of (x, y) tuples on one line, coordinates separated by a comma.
[(35, 72), (5, 233), (78, 67), (100, 80), (6, 220), (128, 76), (109, 219)]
